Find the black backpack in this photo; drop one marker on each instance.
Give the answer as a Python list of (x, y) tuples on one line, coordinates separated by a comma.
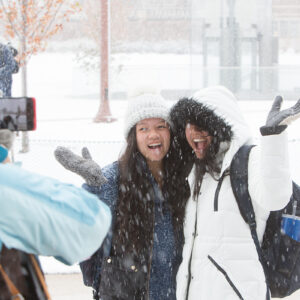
[(279, 254), (21, 275)]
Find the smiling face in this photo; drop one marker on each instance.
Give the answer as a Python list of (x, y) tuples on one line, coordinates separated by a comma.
[(153, 139), (198, 139)]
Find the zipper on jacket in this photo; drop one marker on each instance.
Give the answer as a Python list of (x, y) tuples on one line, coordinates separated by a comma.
[(190, 261), (226, 277), (220, 181)]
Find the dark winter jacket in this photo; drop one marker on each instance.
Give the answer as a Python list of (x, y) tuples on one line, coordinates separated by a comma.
[(8, 66), (146, 274)]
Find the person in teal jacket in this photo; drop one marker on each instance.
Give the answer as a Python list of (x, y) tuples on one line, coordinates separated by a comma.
[(42, 216)]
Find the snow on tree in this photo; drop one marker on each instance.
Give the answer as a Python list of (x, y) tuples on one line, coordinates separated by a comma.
[(33, 23)]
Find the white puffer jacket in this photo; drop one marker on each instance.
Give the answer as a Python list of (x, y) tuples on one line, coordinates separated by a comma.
[(220, 261)]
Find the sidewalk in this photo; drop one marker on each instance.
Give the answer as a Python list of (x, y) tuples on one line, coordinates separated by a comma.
[(68, 287)]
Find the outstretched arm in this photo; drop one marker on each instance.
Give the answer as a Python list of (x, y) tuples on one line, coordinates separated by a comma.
[(44, 216), (83, 165), (270, 182)]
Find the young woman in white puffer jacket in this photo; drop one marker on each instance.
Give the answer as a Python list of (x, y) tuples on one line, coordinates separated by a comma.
[(220, 261)]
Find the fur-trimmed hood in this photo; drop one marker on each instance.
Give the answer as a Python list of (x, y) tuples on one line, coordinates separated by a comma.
[(216, 110)]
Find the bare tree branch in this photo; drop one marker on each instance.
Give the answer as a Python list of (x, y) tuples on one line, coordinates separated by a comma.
[(13, 27)]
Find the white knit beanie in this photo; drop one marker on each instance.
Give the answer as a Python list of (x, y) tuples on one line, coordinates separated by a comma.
[(143, 104)]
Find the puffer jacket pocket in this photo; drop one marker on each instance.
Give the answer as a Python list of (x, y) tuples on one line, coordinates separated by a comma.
[(120, 280), (228, 279)]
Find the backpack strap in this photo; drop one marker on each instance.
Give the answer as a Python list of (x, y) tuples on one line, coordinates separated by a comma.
[(15, 293), (40, 276), (239, 184)]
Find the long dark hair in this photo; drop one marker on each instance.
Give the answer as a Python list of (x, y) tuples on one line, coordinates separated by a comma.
[(206, 165), (188, 110), (136, 194)]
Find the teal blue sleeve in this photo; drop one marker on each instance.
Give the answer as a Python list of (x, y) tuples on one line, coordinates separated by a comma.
[(44, 216), (3, 153)]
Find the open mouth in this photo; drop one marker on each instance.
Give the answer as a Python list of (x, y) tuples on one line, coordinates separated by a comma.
[(154, 146), (199, 144)]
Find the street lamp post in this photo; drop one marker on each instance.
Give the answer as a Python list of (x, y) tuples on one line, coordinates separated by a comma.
[(230, 75), (104, 114)]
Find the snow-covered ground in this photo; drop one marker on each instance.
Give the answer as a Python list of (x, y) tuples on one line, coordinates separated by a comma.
[(66, 104)]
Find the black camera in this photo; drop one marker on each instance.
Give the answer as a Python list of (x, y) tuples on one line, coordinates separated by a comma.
[(18, 114)]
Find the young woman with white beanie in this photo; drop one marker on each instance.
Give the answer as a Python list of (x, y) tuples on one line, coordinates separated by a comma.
[(141, 255)]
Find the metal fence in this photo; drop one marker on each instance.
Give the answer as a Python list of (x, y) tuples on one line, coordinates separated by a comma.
[(41, 158)]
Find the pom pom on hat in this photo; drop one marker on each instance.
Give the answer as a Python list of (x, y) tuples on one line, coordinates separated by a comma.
[(144, 102), (143, 89)]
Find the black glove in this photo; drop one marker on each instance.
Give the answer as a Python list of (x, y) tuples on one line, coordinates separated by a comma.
[(84, 166), (277, 120)]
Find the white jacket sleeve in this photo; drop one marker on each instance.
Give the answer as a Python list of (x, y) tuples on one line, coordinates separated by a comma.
[(270, 183)]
